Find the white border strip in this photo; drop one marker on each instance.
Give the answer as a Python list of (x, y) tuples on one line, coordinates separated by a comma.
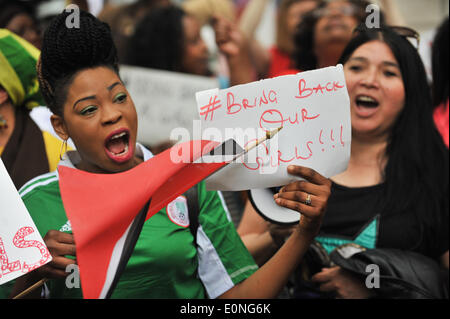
[(46, 182), (211, 270), (114, 263)]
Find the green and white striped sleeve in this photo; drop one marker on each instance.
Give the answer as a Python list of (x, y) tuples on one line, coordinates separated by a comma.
[(224, 261)]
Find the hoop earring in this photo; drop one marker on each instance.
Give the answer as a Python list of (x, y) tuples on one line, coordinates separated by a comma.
[(3, 123), (63, 145)]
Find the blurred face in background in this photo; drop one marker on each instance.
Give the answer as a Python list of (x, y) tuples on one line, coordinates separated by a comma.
[(7, 117), (335, 24), (195, 57), (24, 26), (376, 89), (295, 13)]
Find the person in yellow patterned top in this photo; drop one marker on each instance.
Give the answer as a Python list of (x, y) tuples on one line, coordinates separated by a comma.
[(25, 150)]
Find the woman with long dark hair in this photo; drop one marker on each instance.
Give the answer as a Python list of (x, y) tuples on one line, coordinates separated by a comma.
[(398, 172), (394, 194)]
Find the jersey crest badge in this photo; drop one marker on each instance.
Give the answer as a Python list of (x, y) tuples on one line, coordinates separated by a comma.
[(177, 210)]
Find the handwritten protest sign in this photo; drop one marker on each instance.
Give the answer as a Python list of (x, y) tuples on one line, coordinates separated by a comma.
[(21, 246), (312, 107), (164, 100)]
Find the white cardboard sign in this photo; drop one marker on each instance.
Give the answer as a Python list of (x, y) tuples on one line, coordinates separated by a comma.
[(163, 100), (312, 107), (21, 246)]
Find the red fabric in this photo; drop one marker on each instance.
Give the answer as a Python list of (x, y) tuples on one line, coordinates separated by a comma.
[(279, 62), (288, 72), (441, 119), (100, 207)]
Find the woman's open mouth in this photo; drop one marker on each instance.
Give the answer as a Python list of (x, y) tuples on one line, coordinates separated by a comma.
[(366, 105), (117, 146)]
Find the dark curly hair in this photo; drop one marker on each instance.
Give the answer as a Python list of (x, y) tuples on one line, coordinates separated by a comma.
[(157, 42), (69, 50)]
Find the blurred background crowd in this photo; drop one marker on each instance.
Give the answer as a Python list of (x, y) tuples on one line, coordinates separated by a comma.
[(270, 23)]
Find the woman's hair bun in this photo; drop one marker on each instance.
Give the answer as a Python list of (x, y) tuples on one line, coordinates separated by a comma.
[(69, 47)]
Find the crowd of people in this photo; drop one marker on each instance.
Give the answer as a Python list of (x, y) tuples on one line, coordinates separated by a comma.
[(390, 207)]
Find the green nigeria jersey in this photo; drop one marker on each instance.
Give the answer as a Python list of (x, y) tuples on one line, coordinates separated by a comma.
[(165, 262)]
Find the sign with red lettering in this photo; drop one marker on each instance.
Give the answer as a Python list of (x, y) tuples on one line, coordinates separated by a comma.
[(312, 107), (21, 246)]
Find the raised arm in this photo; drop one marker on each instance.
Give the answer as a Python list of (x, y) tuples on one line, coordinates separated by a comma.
[(235, 46), (248, 23)]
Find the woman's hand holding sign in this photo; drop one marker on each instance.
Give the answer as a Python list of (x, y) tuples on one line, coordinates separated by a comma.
[(309, 197)]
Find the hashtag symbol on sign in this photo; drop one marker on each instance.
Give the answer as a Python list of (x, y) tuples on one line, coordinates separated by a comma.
[(210, 107)]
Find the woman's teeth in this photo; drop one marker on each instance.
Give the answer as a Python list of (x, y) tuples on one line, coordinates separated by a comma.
[(366, 101), (118, 144), (118, 135)]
